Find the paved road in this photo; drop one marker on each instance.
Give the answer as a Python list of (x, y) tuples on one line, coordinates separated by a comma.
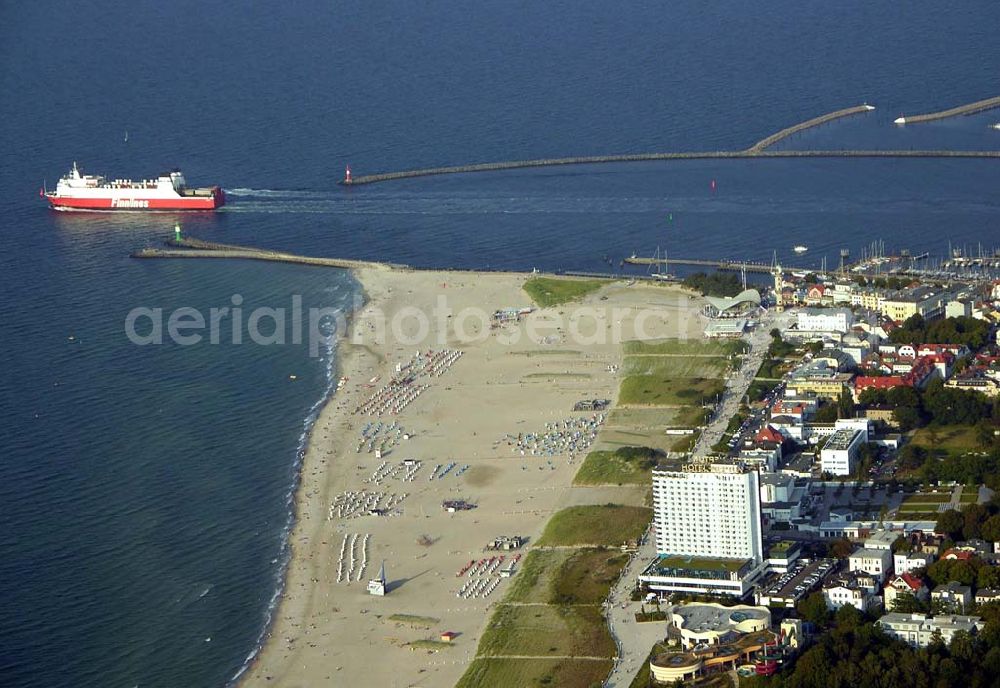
[(739, 381)]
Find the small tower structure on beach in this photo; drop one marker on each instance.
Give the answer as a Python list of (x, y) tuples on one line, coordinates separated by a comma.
[(377, 586)]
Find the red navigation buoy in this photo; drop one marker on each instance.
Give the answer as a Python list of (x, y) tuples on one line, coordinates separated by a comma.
[(347, 175), (712, 185)]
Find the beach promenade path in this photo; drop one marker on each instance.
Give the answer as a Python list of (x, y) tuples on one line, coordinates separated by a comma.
[(633, 640)]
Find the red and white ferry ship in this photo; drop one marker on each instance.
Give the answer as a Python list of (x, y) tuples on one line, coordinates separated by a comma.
[(169, 191)]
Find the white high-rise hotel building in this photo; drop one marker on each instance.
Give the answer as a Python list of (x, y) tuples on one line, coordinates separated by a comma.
[(707, 522), (708, 513)]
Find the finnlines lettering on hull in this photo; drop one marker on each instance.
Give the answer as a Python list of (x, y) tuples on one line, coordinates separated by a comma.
[(169, 191)]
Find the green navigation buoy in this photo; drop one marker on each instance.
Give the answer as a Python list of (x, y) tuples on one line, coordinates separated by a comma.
[(177, 231)]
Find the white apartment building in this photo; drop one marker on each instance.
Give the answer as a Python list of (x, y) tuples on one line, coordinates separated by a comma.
[(877, 562), (840, 453), (862, 424), (881, 539), (857, 589), (825, 320), (904, 562), (918, 629)]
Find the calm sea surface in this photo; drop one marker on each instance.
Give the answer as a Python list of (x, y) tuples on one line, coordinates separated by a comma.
[(144, 491)]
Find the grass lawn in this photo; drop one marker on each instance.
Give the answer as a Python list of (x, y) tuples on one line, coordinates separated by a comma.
[(561, 576), (683, 443), (531, 584), (772, 369), (642, 417), (610, 468), (586, 576), (701, 563), (549, 291), (683, 347), (691, 416), (928, 498), (661, 390), (616, 438), (951, 439), (917, 507), (535, 673), (918, 515), (969, 495), (598, 525), (676, 366), (540, 630), (656, 418)]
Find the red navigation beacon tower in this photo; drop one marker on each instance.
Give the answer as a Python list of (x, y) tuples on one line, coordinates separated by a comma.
[(347, 175)]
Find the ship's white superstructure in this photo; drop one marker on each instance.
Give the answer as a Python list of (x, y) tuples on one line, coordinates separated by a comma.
[(169, 191)]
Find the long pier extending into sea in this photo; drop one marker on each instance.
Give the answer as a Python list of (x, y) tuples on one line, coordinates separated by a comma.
[(969, 109), (196, 248), (758, 150), (725, 265)]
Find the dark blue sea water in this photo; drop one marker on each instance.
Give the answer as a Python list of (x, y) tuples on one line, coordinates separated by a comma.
[(144, 490)]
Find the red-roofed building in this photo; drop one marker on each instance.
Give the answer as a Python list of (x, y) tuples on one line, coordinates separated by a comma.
[(923, 372), (863, 382), (768, 435), (817, 294), (791, 409), (962, 554), (904, 584), (932, 349), (943, 361)]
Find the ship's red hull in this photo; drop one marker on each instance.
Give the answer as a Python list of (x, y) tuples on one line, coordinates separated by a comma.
[(216, 200)]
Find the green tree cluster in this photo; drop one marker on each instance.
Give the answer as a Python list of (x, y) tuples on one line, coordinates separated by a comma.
[(973, 521), (937, 405), (972, 572), (971, 332), (714, 284), (970, 468), (858, 654)]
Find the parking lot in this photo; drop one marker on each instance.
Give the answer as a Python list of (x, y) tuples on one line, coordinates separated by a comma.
[(801, 579)]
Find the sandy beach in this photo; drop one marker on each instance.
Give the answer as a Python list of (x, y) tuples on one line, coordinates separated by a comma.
[(460, 405)]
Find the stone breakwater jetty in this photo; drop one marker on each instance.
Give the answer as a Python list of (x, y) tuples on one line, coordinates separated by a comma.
[(808, 124), (970, 109), (196, 248), (758, 150)]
